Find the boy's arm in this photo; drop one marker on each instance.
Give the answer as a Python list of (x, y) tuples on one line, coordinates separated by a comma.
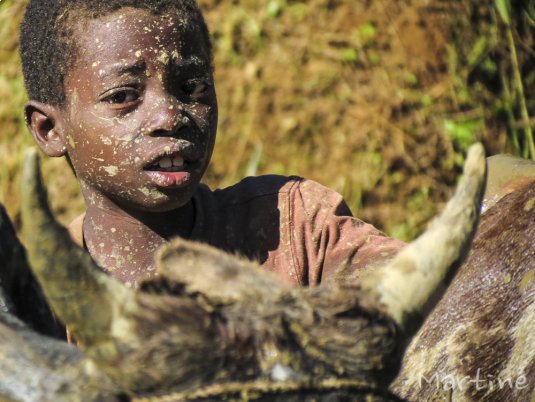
[(328, 242)]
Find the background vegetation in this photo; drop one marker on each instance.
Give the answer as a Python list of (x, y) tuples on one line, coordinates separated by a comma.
[(377, 99)]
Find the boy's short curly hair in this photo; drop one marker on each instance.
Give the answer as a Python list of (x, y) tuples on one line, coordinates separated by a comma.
[(48, 49)]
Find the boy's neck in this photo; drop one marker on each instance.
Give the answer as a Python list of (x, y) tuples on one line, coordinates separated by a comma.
[(124, 242)]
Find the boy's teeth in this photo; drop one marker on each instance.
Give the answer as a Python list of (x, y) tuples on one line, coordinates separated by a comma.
[(178, 161), (168, 163), (165, 162)]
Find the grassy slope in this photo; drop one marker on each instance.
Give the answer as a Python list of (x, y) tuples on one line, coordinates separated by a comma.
[(364, 97)]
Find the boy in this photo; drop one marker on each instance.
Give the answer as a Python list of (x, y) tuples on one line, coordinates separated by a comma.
[(124, 89)]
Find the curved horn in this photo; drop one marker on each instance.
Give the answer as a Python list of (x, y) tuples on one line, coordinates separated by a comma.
[(88, 301), (412, 282)]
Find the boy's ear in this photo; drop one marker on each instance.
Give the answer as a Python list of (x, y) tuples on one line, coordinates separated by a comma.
[(41, 120)]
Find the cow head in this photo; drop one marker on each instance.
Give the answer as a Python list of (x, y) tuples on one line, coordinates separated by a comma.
[(212, 325)]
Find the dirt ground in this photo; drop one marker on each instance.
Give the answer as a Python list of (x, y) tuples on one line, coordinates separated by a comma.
[(360, 96)]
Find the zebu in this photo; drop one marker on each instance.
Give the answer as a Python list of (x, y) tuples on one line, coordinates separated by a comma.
[(479, 342), (187, 336)]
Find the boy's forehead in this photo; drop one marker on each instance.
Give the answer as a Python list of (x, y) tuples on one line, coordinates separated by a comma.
[(130, 32)]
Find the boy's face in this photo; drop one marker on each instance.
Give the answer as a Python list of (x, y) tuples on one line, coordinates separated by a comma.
[(140, 117)]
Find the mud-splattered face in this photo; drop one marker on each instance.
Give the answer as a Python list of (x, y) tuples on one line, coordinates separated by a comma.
[(140, 118)]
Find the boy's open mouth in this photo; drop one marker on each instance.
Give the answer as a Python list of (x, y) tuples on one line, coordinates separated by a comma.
[(168, 164), (170, 171)]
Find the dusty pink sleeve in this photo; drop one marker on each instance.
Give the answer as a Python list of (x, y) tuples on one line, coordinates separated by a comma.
[(76, 231), (327, 241)]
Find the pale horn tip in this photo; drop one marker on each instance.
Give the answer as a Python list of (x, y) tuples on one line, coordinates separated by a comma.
[(413, 282)]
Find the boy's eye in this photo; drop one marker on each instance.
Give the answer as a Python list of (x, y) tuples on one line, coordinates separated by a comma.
[(122, 96), (195, 87)]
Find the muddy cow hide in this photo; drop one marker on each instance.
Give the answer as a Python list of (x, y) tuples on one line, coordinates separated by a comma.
[(214, 327), (479, 342)]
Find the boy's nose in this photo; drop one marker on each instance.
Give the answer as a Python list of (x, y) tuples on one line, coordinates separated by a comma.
[(168, 117)]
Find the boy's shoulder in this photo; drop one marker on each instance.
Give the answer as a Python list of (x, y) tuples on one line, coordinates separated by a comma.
[(254, 189), (254, 202)]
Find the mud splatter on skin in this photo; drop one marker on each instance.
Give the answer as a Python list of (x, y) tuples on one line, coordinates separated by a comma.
[(111, 170), (144, 90), (163, 57), (151, 193)]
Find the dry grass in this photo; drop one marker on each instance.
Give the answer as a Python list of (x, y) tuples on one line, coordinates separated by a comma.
[(364, 97)]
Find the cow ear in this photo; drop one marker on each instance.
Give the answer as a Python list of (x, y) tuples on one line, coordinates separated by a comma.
[(43, 123)]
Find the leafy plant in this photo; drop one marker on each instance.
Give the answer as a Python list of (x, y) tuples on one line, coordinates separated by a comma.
[(504, 10)]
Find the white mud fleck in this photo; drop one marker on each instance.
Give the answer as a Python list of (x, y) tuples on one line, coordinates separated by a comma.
[(163, 58), (151, 193), (111, 170)]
